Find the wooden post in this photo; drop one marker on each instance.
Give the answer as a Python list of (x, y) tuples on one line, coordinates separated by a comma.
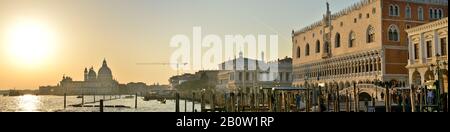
[(338, 99), (257, 101), (327, 97), (101, 105), (185, 103), (177, 102), (269, 103), (355, 97), (232, 102), (193, 101), (403, 101), (285, 101), (421, 101), (94, 98), (82, 100), (386, 99), (319, 96), (347, 101), (307, 99), (413, 104), (264, 99), (373, 102), (65, 100), (279, 102), (252, 102), (135, 101), (213, 102), (202, 100), (103, 96)]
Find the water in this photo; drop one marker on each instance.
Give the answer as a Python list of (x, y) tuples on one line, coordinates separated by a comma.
[(32, 103)]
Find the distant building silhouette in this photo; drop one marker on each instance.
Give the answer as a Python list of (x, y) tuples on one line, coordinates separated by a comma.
[(103, 83)]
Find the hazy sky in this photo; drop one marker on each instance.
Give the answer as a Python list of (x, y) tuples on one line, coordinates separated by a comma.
[(129, 31)]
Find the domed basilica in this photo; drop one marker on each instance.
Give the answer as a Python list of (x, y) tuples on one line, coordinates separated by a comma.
[(103, 83)]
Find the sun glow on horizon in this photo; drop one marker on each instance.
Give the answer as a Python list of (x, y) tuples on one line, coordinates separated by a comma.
[(29, 43)]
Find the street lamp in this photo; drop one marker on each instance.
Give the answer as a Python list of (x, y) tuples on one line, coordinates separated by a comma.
[(376, 84), (439, 88)]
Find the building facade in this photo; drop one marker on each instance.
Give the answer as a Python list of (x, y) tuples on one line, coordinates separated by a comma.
[(363, 43), (247, 75), (103, 83), (428, 51)]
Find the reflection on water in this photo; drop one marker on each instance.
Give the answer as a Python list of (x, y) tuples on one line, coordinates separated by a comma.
[(28, 103), (32, 103)]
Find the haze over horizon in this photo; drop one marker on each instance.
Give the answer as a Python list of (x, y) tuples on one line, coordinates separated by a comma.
[(40, 41)]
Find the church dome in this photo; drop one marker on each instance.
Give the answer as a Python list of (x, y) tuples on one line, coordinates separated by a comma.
[(91, 75), (104, 73)]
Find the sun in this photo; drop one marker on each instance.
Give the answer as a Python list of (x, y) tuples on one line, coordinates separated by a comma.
[(29, 42)]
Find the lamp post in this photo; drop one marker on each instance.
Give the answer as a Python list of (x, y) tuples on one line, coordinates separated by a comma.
[(439, 88), (376, 84), (202, 104), (307, 97)]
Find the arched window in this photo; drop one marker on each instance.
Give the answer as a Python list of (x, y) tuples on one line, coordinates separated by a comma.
[(317, 46), (420, 11), (436, 15), (352, 39), (440, 13), (337, 40), (307, 50), (394, 10), (370, 34), (391, 10), (298, 52), (408, 12), (431, 13), (397, 10), (326, 46), (393, 33)]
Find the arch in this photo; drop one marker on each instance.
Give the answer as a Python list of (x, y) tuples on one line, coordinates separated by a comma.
[(397, 10), (416, 78), (370, 34), (327, 47), (394, 10), (431, 13), (364, 96), (436, 15), (317, 46), (429, 76), (440, 13), (307, 50), (393, 33), (408, 11), (298, 52), (351, 39), (341, 85), (391, 10), (337, 40), (347, 84), (420, 13)]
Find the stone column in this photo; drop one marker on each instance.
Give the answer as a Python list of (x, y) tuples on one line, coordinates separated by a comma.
[(411, 51)]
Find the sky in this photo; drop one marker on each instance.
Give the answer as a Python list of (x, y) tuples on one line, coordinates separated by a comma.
[(81, 33)]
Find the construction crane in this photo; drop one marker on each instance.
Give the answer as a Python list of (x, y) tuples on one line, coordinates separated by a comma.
[(177, 64)]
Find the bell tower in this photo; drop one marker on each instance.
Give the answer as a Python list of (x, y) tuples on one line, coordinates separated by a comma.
[(85, 74), (327, 30)]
